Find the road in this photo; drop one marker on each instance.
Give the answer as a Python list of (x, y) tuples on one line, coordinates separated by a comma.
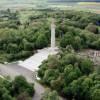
[(13, 70)]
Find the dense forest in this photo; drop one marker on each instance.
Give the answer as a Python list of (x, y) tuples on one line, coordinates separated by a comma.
[(67, 73), (72, 76), (20, 40), (17, 89)]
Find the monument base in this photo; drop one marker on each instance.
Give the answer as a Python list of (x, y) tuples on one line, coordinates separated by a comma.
[(53, 48)]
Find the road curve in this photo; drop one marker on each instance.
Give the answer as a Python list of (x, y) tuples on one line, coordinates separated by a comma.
[(13, 70)]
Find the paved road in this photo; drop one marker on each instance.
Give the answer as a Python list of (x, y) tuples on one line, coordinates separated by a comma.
[(13, 70)]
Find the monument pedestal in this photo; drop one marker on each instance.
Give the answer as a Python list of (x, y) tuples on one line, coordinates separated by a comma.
[(53, 48)]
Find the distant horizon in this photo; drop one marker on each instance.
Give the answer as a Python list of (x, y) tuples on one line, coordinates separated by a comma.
[(74, 0)]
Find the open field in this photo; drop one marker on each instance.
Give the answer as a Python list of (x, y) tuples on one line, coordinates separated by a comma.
[(89, 3), (29, 4), (19, 4)]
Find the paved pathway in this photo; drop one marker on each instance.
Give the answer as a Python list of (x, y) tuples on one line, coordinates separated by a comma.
[(36, 60)]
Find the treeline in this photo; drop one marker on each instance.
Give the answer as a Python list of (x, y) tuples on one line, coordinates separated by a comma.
[(72, 76), (17, 89)]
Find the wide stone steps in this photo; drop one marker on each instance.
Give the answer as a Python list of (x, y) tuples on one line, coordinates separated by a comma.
[(36, 60)]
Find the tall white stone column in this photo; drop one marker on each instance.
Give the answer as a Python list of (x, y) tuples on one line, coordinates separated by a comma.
[(53, 34)]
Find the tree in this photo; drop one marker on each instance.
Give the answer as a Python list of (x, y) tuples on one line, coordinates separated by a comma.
[(53, 62), (80, 88), (27, 45), (96, 94), (77, 43), (92, 28), (49, 75), (6, 96), (50, 95), (23, 96), (96, 44), (86, 66), (4, 93), (69, 58), (12, 48), (57, 84), (20, 85), (71, 73), (41, 41), (66, 40), (18, 89)]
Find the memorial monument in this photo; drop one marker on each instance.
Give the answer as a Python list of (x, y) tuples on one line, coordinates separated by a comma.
[(53, 26)]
